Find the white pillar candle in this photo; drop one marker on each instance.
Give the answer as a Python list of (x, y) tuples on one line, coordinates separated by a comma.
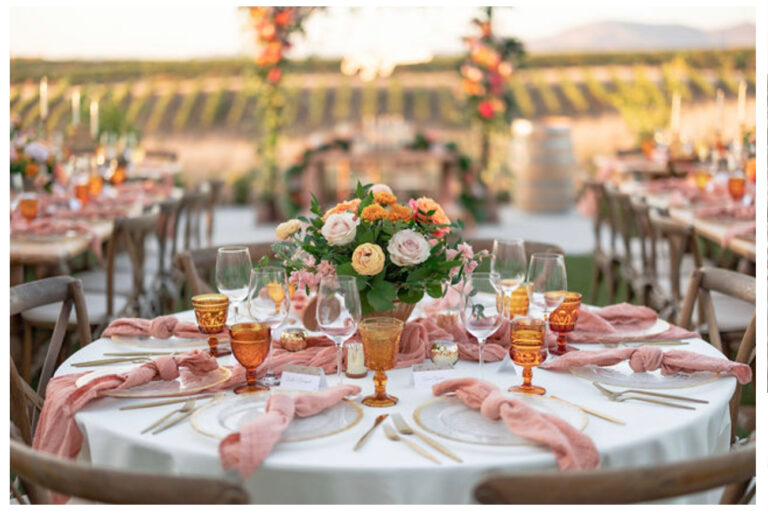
[(44, 97), (94, 118), (720, 110), (76, 107)]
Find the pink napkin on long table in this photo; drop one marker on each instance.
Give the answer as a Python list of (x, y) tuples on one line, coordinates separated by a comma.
[(162, 327), (727, 211), (620, 321), (650, 358), (573, 450), (46, 226), (737, 230), (57, 433), (249, 447)]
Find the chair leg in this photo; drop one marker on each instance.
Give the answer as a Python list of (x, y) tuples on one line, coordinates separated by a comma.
[(612, 281), (26, 359)]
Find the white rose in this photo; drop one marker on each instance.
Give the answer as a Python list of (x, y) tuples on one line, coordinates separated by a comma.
[(37, 151), (408, 248), (380, 188), (340, 228)]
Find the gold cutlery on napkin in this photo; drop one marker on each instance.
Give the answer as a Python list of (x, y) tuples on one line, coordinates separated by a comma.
[(615, 396), (390, 432), (404, 429), (367, 434), (590, 411)]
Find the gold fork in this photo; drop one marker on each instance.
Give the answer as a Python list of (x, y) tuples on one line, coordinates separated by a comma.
[(404, 429), (188, 405), (396, 438)]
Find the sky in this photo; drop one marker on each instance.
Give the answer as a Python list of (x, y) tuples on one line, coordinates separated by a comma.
[(168, 32)]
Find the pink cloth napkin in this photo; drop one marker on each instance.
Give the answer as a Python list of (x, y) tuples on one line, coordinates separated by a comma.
[(162, 327), (248, 448), (49, 225), (650, 358), (614, 322), (573, 450), (57, 433)]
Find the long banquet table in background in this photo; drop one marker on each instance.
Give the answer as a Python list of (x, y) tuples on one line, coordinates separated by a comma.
[(328, 471)]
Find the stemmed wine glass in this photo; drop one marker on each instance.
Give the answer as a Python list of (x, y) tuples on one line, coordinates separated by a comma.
[(547, 282), (509, 263), (338, 311), (233, 268), (483, 308), (268, 303)]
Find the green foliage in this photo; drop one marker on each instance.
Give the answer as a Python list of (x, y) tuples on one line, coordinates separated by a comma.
[(449, 113), (700, 82), (395, 97), (185, 109), (158, 110), (596, 88), (573, 94), (370, 100), (421, 108), (548, 96), (317, 97), (113, 119), (242, 186), (137, 103), (342, 103), (523, 98), (213, 106)]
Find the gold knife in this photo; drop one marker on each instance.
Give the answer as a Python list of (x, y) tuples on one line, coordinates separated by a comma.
[(590, 411), (363, 439)]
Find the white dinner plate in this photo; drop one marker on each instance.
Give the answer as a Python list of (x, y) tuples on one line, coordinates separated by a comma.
[(181, 386), (657, 328), (225, 416), (448, 417), (170, 344), (621, 375)]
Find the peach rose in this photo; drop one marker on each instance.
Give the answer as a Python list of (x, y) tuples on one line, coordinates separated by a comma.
[(368, 259), (422, 206), (348, 205), (408, 248), (340, 229), (287, 229)]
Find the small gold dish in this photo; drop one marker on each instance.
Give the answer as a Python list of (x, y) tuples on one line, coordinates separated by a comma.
[(444, 352), (293, 339)]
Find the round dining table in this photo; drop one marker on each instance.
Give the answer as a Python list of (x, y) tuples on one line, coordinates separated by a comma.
[(328, 471)]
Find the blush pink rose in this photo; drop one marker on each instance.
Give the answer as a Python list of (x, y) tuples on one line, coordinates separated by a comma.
[(408, 248), (340, 229)]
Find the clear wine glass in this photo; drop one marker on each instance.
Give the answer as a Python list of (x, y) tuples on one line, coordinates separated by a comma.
[(338, 311), (233, 269), (269, 303), (483, 308), (547, 282), (508, 262)]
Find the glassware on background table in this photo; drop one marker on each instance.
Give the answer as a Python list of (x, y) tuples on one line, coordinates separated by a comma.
[(527, 349), (483, 308), (233, 272), (250, 345), (211, 314), (381, 341), (508, 262), (95, 183), (447, 315), (563, 320), (737, 185), (268, 303), (702, 175), (547, 282), (82, 188), (338, 312), (29, 204)]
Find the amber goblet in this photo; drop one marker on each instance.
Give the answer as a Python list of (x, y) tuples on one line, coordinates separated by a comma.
[(29, 205), (95, 184), (737, 186), (250, 344), (381, 341), (563, 320), (517, 301), (527, 350), (211, 314)]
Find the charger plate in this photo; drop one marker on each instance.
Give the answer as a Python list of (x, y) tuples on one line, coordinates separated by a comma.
[(448, 417), (160, 388), (621, 375), (227, 415), (170, 344)]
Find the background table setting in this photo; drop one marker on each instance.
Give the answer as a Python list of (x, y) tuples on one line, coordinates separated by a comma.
[(616, 387)]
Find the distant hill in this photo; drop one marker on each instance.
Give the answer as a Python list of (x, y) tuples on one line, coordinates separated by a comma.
[(615, 35)]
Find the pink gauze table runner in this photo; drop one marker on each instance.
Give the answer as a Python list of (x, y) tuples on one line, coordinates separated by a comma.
[(246, 449), (573, 450), (651, 358)]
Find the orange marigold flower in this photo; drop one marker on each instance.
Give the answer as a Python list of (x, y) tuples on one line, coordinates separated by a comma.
[(348, 205), (384, 198), (398, 212), (374, 212)]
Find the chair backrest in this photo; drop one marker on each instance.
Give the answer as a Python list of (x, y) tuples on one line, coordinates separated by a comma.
[(531, 247), (703, 281), (602, 218), (623, 218), (168, 210), (40, 471), (130, 234), (625, 486), (198, 265), (68, 291), (215, 186), (193, 204)]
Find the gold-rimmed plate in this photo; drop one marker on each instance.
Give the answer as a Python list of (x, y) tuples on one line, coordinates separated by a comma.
[(184, 385), (227, 415), (170, 344), (621, 375), (448, 417)]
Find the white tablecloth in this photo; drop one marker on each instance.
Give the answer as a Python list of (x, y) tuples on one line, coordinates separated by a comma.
[(328, 471)]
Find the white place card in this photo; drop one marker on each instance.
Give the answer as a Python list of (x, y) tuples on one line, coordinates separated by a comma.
[(429, 373), (296, 377)]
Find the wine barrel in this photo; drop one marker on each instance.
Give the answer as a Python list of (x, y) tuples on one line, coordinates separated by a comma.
[(543, 162)]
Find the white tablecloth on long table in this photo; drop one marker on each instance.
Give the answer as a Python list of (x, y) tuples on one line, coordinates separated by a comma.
[(328, 471)]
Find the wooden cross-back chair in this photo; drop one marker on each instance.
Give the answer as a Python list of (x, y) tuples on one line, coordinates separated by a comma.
[(192, 208), (705, 281), (198, 265), (606, 260), (630, 256), (627, 485), (164, 290), (215, 186), (65, 290), (41, 472)]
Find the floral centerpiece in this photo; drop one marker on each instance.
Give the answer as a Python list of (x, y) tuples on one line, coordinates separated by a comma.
[(397, 252), (31, 158)]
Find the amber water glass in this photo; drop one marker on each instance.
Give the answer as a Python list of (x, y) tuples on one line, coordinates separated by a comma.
[(527, 350), (250, 345), (81, 193), (211, 314), (381, 341), (563, 320), (702, 177), (118, 176), (517, 302), (737, 186), (95, 184), (28, 206)]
